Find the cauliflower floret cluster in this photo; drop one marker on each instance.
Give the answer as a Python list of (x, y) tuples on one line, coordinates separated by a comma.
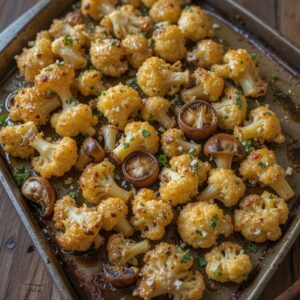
[(165, 11), (90, 82), (96, 9)]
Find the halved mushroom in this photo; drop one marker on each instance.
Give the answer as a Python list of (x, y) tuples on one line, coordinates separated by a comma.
[(90, 151), (110, 133), (197, 119), (140, 168), (39, 191), (224, 148), (120, 276)]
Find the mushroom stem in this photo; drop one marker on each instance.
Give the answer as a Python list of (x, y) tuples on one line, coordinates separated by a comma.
[(123, 226), (223, 160), (110, 133), (192, 93), (283, 189), (208, 193), (165, 120)]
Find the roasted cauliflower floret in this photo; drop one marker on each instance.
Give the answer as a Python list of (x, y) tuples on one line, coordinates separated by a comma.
[(232, 109), (240, 67), (150, 215), (114, 212), (259, 217), (225, 186), (194, 23), (208, 86), (228, 262), (264, 126), (173, 143), (199, 224), (169, 43), (78, 226), (261, 166), (138, 136), (29, 105), (165, 11), (157, 78), (206, 53), (96, 9), (90, 82), (123, 251), (135, 3), (156, 108), (108, 56), (177, 187), (34, 59), (137, 49), (16, 139), (97, 183), (192, 163), (118, 104), (149, 3), (167, 271)]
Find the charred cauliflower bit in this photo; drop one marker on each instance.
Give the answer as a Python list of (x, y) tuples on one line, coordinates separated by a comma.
[(259, 217), (157, 78), (173, 143), (97, 183), (167, 270), (78, 226), (264, 126), (165, 11), (199, 224), (138, 136), (169, 43), (261, 166), (240, 67), (150, 215), (108, 56), (228, 262), (90, 83), (123, 251), (232, 109), (118, 104), (96, 9)]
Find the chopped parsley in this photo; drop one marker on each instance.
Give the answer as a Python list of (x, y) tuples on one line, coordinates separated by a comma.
[(73, 194), (60, 63), (199, 232), (68, 41), (131, 139), (240, 92), (178, 249), (217, 273), (247, 144), (132, 82), (3, 120), (253, 56), (126, 145), (72, 102), (238, 102), (48, 69), (142, 204), (163, 160), (144, 11), (251, 248), (213, 221), (195, 167), (202, 261), (193, 153), (145, 133), (274, 77), (113, 42), (261, 164), (185, 257), (178, 100), (91, 28), (20, 174), (270, 197)]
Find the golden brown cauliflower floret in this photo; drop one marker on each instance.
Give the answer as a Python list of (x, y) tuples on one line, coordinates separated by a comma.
[(173, 143), (135, 3), (137, 49), (97, 183), (119, 103), (16, 139), (138, 136), (114, 212), (177, 187), (29, 105), (232, 109), (240, 67), (33, 59), (225, 186), (156, 108), (108, 56), (149, 3), (165, 11), (208, 86), (199, 224), (169, 43), (194, 23), (259, 217), (261, 166), (150, 215), (97, 33), (264, 126), (78, 226), (90, 82), (167, 271), (96, 9), (157, 78), (192, 163), (228, 262), (121, 251), (206, 54)]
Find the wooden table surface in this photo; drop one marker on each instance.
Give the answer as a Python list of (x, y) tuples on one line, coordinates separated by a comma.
[(23, 275)]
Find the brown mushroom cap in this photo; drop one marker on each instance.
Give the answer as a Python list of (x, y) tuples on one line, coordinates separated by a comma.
[(39, 190), (197, 119), (140, 168)]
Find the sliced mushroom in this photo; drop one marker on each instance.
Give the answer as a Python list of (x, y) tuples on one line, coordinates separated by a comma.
[(90, 151), (39, 191), (120, 276), (110, 133), (140, 168), (197, 119), (225, 148)]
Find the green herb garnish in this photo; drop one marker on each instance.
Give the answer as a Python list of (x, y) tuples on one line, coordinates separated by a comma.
[(60, 63), (145, 133), (202, 261), (48, 69), (178, 249), (270, 196), (238, 102), (132, 82), (251, 248), (247, 144), (68, 41), (199, 232), (73, 194), (72, 102), (217, 273), (253, 56), (3, 120), (178, 101), (20, 174), (274, 77), (113, 42), (163, 160), (261, 164), (195, 167), (185, 257), (126, 145), (213, 221)]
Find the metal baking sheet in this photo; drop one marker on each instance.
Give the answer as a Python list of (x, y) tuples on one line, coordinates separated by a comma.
[(80, 276)]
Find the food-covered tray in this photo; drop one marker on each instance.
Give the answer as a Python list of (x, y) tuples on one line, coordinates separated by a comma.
[(80, 276)]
